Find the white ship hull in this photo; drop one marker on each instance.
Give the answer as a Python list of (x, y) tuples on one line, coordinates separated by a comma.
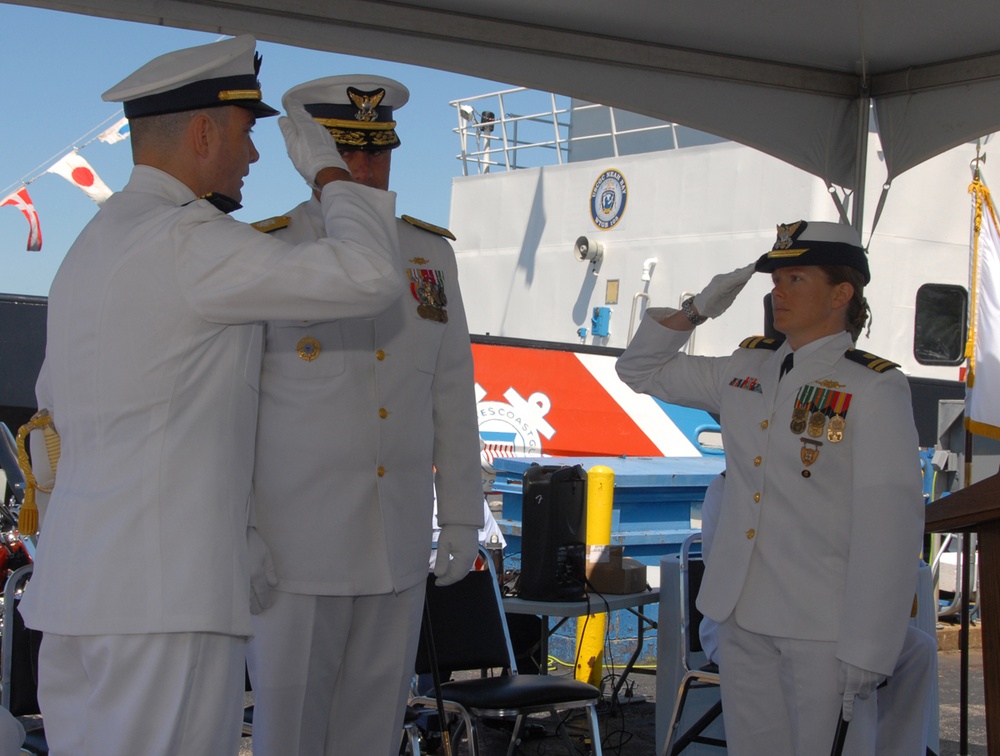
[(695, 212)]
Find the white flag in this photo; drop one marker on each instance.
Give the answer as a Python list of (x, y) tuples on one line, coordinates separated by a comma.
[(77, 171), (982, 396), (119, 132)]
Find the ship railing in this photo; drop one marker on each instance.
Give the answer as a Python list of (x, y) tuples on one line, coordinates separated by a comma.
[(523, 128)]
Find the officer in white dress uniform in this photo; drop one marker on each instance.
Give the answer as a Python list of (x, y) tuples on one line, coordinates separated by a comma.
[(354, 416), (904, 704), (822, 518), (142, 583)]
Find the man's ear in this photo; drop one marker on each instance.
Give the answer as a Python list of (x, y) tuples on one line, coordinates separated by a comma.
[(202, 132)]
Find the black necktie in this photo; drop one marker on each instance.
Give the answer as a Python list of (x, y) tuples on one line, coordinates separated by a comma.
[(786, 365)]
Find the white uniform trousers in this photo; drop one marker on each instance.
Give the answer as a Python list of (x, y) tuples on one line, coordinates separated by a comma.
[(331, 674), (780, 697), (905, 702), (161, 694)]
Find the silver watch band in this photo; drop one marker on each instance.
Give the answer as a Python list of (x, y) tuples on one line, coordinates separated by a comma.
[(687, 307)]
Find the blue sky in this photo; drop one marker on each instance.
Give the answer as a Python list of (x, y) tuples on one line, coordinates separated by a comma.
[(56, 65)]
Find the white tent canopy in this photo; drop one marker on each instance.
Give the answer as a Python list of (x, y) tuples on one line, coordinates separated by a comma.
[(794, 79)]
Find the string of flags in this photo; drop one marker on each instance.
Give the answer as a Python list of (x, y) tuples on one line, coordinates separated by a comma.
[(76, 171)]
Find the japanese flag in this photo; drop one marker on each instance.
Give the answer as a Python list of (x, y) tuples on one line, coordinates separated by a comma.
[(77, 171), (22, 202)]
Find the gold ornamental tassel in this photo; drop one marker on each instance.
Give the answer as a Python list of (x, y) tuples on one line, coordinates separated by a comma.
[(27, 519)]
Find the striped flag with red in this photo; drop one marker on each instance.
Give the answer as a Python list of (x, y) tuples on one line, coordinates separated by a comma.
[(22, 201)]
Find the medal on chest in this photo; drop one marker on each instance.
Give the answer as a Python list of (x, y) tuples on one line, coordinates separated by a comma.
[(800, 412), (817, 421), (427, 287), (810, 451), (838, 422), (814, 407)]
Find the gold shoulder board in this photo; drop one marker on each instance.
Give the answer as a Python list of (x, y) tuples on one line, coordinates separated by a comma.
[(870, 361), (429, 227), (272, 224), (760, 342)]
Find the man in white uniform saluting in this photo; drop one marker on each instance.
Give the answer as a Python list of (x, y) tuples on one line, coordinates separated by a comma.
[(142, 583), (355, 414)]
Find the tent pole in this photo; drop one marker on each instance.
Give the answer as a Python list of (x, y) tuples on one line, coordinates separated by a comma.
[(964, 626), (861, 161)]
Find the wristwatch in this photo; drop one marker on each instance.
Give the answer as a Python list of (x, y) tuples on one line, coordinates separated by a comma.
[(687, 307)]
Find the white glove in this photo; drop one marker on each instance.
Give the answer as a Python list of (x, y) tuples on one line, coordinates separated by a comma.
[(458, 547), (722, 291), (262, 575), (309, 145), (858, 683)]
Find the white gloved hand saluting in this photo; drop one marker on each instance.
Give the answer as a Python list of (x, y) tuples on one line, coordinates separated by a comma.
[(721, 292), (309, 145), (857, 682), (458, 547)]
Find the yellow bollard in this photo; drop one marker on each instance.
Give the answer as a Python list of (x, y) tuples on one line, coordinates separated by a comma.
[(590, 629)]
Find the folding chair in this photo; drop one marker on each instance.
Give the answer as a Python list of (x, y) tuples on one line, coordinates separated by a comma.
[(465, 629), (411, 733), (692, 568), (18, 662)]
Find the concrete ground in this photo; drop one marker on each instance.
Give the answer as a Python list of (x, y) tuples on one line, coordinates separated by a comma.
[(630, 729)]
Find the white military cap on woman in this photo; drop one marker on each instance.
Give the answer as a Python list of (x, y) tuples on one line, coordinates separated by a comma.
[(355, 109), (815, 243), (220, 73)]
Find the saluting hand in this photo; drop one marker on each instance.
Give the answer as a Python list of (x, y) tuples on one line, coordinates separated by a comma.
[(309, 145), (722, 291)]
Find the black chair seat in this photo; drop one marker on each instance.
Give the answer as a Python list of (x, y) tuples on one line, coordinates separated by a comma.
[(517, 692), (34, 742)]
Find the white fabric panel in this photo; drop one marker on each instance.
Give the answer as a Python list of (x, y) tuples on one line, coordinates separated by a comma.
[(916, 127), (781, 77)]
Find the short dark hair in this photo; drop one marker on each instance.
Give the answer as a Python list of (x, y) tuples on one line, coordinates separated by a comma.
[(164, 130)]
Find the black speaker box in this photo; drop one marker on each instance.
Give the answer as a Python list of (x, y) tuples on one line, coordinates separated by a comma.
[(553, 533)]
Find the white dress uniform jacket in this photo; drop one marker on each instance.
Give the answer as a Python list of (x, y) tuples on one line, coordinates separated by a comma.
[(151, 374), (353, 414), (820, 538)]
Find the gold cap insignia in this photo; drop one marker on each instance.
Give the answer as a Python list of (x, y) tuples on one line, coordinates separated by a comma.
[(785, 234), (366, 102)]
